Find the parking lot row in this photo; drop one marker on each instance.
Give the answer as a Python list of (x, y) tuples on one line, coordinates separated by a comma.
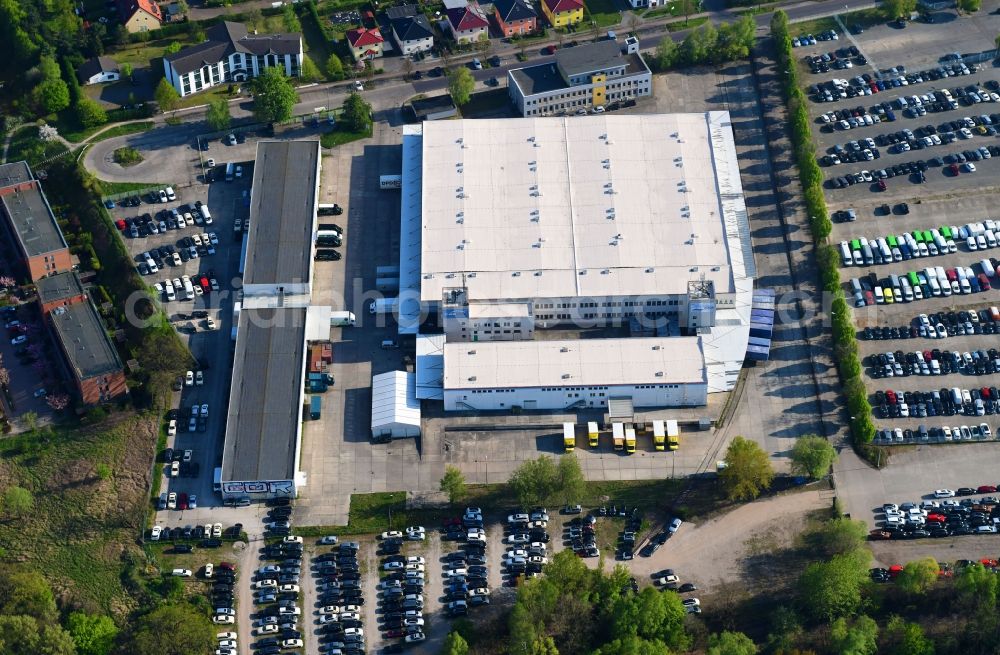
[(862, 251), (938, 518)]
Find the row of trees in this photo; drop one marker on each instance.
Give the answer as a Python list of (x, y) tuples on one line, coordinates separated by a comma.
[(748, 471), (708, 44), (804, 148)]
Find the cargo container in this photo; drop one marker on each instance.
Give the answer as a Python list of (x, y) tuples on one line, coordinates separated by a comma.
[(569, 437), (629, 440), (673, 435), (659, 435), (618, 435)]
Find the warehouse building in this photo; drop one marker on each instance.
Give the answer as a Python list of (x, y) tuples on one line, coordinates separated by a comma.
[(274, 324), (30, 223), (537, 228), (581, 79), (395, 408)]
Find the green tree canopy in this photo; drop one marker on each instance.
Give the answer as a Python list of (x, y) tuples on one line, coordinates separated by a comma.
[(51, 96), (666, 53), (918, 576), (172, 630), (454, 644), (977, 587), (534, 481), (859, 637), (904, 638), (26, 592), (699, 45), (812, 456), (334, 67), (17, 501), (571, 483), (217, 115), (633, 645), (274, 96), (310, 71), (731, 643), (453, 484), (838, 536), (166, 95), (832, 589), (93, 634), (898, 8), (748, 470), (90, 114), (460, 85), (970, 6), (357, 113), (653, 615)]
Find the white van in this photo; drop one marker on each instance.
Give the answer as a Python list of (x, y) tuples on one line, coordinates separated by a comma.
[(207, 215), (845, 254), (935, 287), (879, 296)]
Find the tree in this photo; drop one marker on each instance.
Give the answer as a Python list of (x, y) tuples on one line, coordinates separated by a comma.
[(26, 592), (454, 644), (17, 501), (460, 85), (832, 589), (918, 576), (904, 638), (126, 70), (217, 116), (310, 72), (970, 6), (453, 483), (274, 96), (357, 113), (30, 420), (544, 645), (93, 634), (290, 20), (189, 631), (666, 53), (632, 645), (633, 23), (699, 46), (898, 8), (166, 95), (571, 480), (731, 643), (334, 68), (686, 7), (977, 587), (812, 456), (407, 68), (51, 96), (534, 481), (838, 536), (748, 471), (651, 614), (90, 114), (859, 637)]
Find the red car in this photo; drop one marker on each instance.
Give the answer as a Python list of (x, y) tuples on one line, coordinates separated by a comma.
[(953, 169), (881, 185), (984, 282), (988, 563), (120, 224), (936, 518), (228, 566), (550, 50), (395, 634), (895, 570), (182, 501), (203, 281), (986, 489)]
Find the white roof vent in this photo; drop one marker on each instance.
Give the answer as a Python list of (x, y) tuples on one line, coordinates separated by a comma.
[(659, 374), (565, 376), (516, 274), (564, 349), (656, 347), (605, 272), (650, 270), (472, 378), (473, 274), (538, 274), (472, 352)]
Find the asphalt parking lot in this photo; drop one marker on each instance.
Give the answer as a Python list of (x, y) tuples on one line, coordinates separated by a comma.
[(943, 199)]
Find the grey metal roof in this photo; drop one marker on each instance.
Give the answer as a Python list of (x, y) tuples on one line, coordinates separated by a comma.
[(402, 11), (264, 411), (14, 173), (538, 79), (282, 212), (433, 105), (589, 58), (32, 221), (58, 287), (80, 331), (412, 28), (226, 38)]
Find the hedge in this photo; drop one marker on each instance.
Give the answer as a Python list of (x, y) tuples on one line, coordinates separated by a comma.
[(845, 345)]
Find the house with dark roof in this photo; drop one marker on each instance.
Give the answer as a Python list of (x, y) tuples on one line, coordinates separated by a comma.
[(89, 358), (515, 17), (231, 54), (97, 70), (563, 12), (30, 224), (411, 29), (467, 24), (140, 15), (365, 43)]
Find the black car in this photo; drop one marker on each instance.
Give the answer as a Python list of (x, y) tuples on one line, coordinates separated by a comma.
[(649, 549)]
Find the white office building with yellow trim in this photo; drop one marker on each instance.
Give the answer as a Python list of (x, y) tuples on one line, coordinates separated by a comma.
[(602, 74)]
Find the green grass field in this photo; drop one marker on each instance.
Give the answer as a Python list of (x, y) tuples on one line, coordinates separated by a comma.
[(82, 528), (607, 13), (110, 133)]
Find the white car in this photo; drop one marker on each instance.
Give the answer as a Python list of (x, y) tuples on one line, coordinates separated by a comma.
[(415, 637), (292, 539), (199, 379), (189, 379), (328, 618), (223, 619), (674, 525), (154, 534), (227, 643), (350, 616), (172, 428), (171, 500), (413, 621), (415, 559), (454, 573), (289, 587), (517, 539), (360, 632), (264, 584), (329, 540), (171, 196), (517, 518), (289, 610), (268, 629), (392, 534), (415, 567), (209, 570), (416, 533), (292, 643), (226, 635), (358, 86), (182, 573), (944, 493)]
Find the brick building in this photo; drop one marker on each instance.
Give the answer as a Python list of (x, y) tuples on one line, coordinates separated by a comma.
[(29, 222)]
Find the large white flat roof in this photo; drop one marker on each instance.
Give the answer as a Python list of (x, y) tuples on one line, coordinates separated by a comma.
[(584, 362), (603, 205)]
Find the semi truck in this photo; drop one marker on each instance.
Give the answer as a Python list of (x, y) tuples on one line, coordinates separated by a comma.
[(659, 435), (629, 440), (592, 434), (618, 435), (673, 435), (569, 437), (342, 319)]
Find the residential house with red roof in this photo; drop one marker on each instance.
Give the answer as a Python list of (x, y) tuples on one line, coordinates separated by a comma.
[(563, 12), (365, 43), (515, 17), (468, 24), (140, 15)]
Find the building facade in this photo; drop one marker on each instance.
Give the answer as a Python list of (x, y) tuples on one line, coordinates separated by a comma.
[(562, 13), (230, 54), (468, 24), (365, 44), (581, 80), (515, 17)]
